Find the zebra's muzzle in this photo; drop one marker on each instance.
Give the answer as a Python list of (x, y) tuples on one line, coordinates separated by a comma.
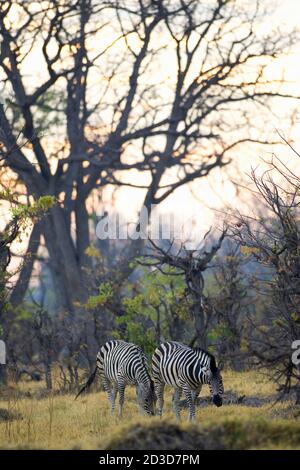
[(217, 400)]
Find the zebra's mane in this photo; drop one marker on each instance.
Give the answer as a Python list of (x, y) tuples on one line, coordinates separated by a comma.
[(213, 364), (144, 358), (145, 363)]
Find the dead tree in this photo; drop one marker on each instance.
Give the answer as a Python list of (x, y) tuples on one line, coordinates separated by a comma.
[(272, 238), (229, 302), (191, 264)]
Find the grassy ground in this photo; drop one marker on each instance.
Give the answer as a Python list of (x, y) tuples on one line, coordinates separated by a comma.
[(59, 422)]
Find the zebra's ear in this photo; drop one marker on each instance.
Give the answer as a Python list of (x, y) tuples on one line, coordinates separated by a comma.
[(221, 366)]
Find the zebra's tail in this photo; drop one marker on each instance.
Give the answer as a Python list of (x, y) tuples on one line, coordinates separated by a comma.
[(88, 384)]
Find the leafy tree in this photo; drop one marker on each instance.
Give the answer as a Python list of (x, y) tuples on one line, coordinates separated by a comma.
[(155, 309)]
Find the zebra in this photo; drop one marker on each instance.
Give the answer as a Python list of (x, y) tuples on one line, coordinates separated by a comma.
[(119, 364), (186, 370)]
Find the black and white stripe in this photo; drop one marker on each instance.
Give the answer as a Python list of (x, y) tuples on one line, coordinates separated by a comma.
[(186, 370), (120, 364)]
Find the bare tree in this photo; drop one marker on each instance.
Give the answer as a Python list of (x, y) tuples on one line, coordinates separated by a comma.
[(273, 240), (191, 264), (228, 303), (100, 95)]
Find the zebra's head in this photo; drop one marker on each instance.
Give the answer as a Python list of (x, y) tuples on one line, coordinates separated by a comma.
[(215, 383), (146, 397)]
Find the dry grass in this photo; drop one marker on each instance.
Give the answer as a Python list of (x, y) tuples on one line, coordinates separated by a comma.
[(59, 422)]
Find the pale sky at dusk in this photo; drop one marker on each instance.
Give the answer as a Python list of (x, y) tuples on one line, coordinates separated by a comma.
[(213, 191), (198, 200)]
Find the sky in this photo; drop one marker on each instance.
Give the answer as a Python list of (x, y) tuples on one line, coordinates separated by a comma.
[(288, 12), (201, 201)]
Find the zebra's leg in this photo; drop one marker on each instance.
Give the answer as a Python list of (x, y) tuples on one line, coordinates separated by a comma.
[(106, 386), (190, 401), (121, 390), (159, 389), (176, 400), (196, 393), (112, 396)]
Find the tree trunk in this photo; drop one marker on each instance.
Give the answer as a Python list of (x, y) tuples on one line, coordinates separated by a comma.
[(82, 233), (200, 327), (48, 375), (67, 252), (3, 375), (56, 266), (71, 279), (21, 286), (64, 264), (91, 340), (195, 285)]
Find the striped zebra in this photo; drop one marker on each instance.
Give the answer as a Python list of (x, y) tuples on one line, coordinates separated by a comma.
[(186, 370), (120, 364)]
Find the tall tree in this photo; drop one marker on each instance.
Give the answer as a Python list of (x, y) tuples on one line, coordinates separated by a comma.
[(85, 83)]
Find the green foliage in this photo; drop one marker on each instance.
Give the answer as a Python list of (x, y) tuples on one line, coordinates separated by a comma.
[(24, 313), (150, 307), (211, 286), (93, 252), (134, 305), (25, 211), (133, 322), (220, 331), (106, 293), (135, 332), (22, 214)]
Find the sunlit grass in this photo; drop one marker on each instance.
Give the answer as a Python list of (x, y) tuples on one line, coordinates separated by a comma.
[(59, 422)]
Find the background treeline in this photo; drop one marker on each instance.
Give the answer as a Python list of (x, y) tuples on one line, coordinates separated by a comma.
[(97, 113), (237, 295)]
